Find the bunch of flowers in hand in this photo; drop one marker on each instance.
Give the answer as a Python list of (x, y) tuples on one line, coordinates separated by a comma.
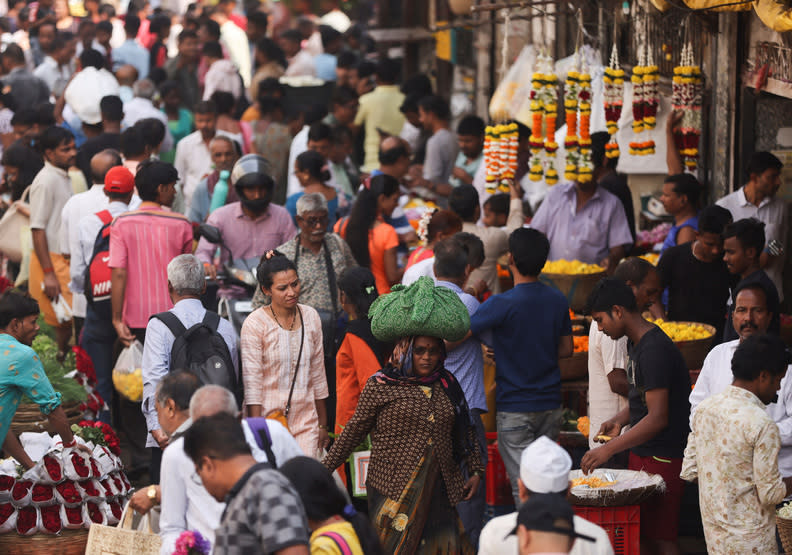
[(99, 433), (192, 542)]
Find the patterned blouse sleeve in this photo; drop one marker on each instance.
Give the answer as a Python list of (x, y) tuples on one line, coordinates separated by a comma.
[(474, 458), (252, 357), (358, 426)]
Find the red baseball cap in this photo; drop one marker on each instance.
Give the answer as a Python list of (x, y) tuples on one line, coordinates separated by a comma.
[(119, 180)]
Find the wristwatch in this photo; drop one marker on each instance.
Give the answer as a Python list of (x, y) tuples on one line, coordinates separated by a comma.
[(151, 493)]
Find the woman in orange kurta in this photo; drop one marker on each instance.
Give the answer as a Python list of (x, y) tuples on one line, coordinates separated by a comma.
[(372, 241), (360, 354)]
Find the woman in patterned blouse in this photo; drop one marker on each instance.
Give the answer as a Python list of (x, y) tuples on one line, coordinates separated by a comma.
[(421, 432)]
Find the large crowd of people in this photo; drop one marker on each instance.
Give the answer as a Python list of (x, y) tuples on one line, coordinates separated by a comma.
[(189, 189)]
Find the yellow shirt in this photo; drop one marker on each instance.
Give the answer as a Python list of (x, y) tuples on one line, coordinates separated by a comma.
[(379, 109), (325, 545)]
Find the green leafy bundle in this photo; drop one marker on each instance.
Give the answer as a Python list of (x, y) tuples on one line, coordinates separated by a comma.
[(56, 371)]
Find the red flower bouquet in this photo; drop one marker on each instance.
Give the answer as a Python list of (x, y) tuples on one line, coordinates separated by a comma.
[(90, 491), (72, 517), (54, 468), (95, 513), (84, 364), (51, 519), (80, 466), (107, 488), (20, 495), (69, 493), (115, 511), (8, 517), (27, 521), (6, 485), (43, 494)]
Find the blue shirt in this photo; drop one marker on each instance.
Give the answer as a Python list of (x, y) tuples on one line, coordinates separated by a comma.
[(525, 325), (466, 362), (21, 373), (157, 353), (325, 66), (671, 238), (469, 167), (132, 53)]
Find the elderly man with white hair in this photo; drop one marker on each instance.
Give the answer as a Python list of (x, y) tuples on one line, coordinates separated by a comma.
[(142, 107), (544, 468), (184, 503), (186, 284)]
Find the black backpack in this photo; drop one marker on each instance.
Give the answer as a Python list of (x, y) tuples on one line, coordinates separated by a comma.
[(202, 351)]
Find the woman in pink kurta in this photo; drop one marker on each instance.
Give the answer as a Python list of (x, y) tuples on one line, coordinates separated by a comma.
[(270, 342)]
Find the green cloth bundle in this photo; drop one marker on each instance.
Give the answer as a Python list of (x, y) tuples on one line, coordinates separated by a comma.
[(419, 309)]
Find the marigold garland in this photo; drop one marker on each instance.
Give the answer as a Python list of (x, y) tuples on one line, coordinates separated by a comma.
[(613, 81), (687, 96), (645, 78), (500, 156), (585, 166)]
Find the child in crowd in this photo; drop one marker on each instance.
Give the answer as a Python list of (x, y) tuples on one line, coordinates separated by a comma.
[(496, 210)]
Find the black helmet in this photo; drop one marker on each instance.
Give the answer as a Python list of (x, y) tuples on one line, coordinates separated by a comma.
[(253, 170)]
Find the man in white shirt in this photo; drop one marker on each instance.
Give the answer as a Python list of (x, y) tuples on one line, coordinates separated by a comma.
[(607, 358), (301, 63), (544, 468), (234, 39), (141, 107), (751, 316), (76, 208), (185, 504), (98, 333), (758, 199), (193, 160), (58, 67)]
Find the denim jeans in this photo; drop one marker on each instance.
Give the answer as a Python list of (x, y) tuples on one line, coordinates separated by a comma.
[(471, 513), (516, 431), (98, 339)]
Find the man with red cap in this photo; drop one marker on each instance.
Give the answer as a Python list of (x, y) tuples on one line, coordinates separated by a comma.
[(99, 335)]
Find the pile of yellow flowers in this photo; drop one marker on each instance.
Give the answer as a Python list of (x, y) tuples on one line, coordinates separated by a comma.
[(591, 481), (129, 384), (678, 331), (571, 267)]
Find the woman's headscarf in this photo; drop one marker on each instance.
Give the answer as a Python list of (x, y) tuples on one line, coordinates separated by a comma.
[(399, 371)]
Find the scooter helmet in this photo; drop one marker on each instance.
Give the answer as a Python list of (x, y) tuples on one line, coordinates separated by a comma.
[(253, 170)]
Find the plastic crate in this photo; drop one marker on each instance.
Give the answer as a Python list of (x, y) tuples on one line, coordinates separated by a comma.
[(499, 491), (623, 525)]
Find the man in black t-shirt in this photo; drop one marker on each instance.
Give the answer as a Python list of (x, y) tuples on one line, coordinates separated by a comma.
[(657, 413), (743, 243), (695, 275)]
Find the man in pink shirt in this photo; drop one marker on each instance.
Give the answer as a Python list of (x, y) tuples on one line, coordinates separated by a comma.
[(142, 243)]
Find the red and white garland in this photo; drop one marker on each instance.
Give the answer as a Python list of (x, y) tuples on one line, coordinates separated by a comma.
[(687, 94)]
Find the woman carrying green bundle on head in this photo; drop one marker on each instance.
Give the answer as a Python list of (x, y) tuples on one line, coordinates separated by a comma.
[(419, 423)]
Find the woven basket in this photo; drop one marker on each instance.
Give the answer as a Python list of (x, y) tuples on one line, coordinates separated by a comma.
[(785, 532), (574, 367), (632, 487), (575, 287), (28, 418), (694, 352), (68, 542)]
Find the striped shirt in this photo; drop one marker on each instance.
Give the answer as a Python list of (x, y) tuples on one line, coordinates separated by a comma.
[(143, 242)]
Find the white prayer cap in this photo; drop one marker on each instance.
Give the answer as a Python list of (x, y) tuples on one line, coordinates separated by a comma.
[(545, 466)]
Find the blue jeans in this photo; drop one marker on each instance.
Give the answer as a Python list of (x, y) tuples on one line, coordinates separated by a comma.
[(471, 513), (516, 431), (98, 340)]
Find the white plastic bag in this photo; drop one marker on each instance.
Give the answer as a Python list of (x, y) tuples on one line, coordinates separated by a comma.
[(128, 372)]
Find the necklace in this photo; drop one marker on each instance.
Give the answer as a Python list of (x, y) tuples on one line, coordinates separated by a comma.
[(294, 319)]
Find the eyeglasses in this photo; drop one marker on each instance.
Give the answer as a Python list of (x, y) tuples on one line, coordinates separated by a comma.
[(321, 221), (431, 351)]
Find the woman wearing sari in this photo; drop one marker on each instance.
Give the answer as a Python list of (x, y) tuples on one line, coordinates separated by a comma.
[(419, 423)]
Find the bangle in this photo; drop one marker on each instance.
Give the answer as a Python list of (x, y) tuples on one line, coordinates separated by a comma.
[(47, 270), (72, 443)]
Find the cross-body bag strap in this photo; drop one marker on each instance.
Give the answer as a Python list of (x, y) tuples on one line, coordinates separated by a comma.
[(296, 366)]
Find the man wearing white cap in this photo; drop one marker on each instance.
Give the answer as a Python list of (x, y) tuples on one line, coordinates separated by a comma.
[(544, 468)]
